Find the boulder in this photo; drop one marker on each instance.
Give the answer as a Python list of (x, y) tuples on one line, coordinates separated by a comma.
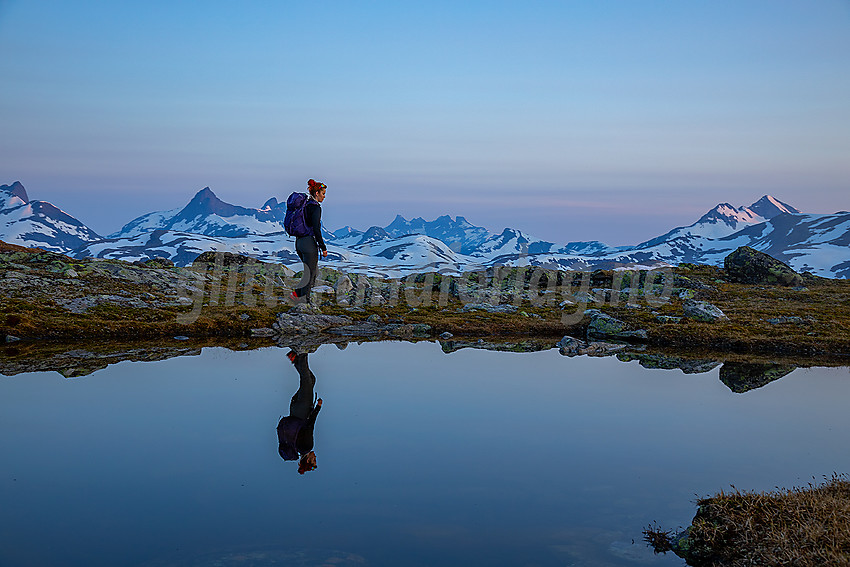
[(749, 266), (343, 286), (489, 308), (603, 325), (305, 309), (792, 320), (304, 318), (703, 311)]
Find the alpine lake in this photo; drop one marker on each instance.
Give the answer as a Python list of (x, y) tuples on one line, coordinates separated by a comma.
[(426, 453)]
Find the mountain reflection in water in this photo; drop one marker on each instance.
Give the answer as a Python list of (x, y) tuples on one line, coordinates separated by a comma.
[(429, 454), (78, 360)]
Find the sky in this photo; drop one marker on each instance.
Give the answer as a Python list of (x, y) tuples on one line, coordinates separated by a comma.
[(569, 120)]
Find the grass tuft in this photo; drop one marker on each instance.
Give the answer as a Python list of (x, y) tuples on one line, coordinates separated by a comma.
[(803, 526)]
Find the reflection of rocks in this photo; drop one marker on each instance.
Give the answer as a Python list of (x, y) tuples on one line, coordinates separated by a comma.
[(741, 377), (749, 266), (603, 325), (77, 362), (569, 346), (703, 311), (311, 341), (375, 329), (664, 362), (530, 345)]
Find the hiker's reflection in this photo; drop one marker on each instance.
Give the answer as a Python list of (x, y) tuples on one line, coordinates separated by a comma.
[(295, 431)]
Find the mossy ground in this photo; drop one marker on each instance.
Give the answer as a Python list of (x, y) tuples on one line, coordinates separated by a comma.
[(821, 310)]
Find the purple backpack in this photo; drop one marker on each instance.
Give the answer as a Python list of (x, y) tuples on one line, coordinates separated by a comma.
[(295, 221)]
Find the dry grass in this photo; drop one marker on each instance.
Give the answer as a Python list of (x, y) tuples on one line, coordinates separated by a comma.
[(822, 330), (805, 527)]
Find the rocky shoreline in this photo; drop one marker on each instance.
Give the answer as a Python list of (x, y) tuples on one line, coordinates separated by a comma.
[(47, 296)]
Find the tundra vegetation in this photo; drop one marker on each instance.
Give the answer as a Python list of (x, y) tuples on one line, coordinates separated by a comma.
[(803, 526), (44, 295), (689, 317)]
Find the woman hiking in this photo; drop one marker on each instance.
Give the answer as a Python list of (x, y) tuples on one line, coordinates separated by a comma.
[(307, 247)]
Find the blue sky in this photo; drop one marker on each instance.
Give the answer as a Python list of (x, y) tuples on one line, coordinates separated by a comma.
[(579, 120)]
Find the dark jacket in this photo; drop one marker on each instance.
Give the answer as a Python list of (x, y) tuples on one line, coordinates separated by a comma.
[(313, 216), (295, 435)]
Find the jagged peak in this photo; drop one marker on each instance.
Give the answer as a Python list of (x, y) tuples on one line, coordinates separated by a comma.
[(206, 202), (205, 193), (16, 189), (769, 206), (376, 230), (270, 204)]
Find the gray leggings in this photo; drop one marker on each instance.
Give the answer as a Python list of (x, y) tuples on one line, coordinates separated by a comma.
[(308, 251)]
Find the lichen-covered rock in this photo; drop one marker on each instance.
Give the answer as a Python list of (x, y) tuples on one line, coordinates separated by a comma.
[(344, 286), (301, 320), (489, 308), (421, 330), (305, 309), (785, 320), (603, 325), (703, 311), (749, 266)]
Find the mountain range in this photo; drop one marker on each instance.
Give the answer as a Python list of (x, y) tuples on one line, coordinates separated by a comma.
[(807, 242)]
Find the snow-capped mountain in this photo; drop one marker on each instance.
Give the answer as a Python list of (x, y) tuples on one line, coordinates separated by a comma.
[(208, 215), (39, 223), (183, 247), (768, 207), (816, 243), (458, 233), (724, 219)]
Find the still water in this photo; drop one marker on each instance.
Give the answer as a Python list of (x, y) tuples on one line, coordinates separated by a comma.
[(423, 458)]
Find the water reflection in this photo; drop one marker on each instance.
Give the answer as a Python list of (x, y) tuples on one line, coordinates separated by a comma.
[(742, 377), (456, 491), (77, 360), (295, 431)]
